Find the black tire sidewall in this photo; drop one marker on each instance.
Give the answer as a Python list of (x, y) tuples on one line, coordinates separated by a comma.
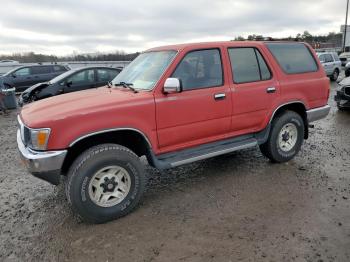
[(278, 154), (84, 169)]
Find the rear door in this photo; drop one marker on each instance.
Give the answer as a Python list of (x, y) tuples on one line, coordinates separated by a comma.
[(255, 88), (202, 111), (81, 80), (41, 74), (329, 64)]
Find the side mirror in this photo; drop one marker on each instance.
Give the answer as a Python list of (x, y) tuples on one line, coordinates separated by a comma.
[(69, 83), (13, 75), (172, 85)]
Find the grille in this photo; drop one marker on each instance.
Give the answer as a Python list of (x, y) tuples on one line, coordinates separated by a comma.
[(342, 59), (24, 131), (347, 90)]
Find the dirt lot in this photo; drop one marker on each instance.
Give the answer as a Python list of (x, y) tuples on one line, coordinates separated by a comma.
[(237, 207)]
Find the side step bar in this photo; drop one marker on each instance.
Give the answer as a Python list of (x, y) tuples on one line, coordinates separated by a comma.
[(186, 156)]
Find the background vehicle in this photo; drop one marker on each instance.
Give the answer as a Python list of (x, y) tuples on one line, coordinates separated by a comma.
[(70, 81), (343, 94), (344, 58), (331, 64), (175, 105), (347, 69), (8, 62), (23, 77)]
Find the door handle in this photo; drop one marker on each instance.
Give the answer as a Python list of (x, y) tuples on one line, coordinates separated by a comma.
[(219, 96), (271, 89)]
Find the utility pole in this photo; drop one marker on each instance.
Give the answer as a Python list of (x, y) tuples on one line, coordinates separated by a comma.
[(346, 24)]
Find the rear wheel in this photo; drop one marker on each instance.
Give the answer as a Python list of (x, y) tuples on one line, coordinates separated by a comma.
[(335, 75), (285, 138), (105, 182)]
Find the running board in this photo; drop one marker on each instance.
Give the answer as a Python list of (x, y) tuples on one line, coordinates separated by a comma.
[(187, 156)]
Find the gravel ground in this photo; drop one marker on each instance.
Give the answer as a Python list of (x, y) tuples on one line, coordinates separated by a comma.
[(237, 207)]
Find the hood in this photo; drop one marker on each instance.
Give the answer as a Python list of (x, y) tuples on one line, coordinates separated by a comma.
[(345, 82), (41, 113), (35, 87)]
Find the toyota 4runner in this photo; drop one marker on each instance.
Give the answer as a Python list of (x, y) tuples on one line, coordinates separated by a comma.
[(175, 105)]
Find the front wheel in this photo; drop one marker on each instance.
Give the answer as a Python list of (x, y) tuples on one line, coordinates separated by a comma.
[(105, 182), (285, 138)]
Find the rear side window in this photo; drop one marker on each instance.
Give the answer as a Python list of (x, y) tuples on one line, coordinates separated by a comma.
[(294, 58), (200, 69), (328, 58), (248, 65), (37, 70), (336, 57), (58, 68)]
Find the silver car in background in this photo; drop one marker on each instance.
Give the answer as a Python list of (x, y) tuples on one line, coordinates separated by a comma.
[(331, 64)]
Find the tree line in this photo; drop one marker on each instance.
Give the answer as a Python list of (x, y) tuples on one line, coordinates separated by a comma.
[(31, 57), (317, 41)]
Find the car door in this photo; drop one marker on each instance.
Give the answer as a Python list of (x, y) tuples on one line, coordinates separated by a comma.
[(40, 74), (254, 89), (329, 64), (201, 112), (105, 75), (81, 80), (22, 77)]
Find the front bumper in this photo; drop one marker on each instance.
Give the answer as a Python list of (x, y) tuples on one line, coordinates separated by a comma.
[(45, 165), (342, 99), (317, 113)]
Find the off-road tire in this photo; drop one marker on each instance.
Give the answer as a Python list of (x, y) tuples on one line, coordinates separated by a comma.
[(83, 169), (271, 148)]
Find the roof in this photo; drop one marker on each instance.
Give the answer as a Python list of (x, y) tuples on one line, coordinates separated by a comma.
[(200, 45)]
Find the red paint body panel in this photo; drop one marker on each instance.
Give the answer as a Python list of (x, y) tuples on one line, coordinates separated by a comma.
[(181, 120)]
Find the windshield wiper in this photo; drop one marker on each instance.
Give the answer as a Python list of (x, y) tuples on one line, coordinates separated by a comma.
[(127, 85)]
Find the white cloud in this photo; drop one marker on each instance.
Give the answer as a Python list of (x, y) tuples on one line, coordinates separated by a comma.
[(59, 27)]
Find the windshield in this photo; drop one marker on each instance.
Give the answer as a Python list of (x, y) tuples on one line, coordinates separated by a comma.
[(61, 76), (144, 72)]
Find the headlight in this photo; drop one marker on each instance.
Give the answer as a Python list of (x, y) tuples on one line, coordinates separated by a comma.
[(39, 138)]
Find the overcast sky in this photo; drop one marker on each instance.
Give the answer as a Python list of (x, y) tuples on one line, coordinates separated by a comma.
[(63, 26)]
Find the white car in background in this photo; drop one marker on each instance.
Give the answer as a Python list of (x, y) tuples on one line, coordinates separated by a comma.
[(331, 64), (8, 62)]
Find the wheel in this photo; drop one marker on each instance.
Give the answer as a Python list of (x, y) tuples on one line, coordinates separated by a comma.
[(285, 138), (335, 75), (347, 72), (105, 182)]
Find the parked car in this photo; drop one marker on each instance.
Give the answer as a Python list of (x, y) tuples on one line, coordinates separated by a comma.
[(175, 105), (25, 76), (331, 64), (70, 81), (344, 58), (8, 62), (347, 70), (343, 94)]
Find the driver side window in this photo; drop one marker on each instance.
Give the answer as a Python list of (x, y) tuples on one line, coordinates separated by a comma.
[(23, 72), (83, 77), (200, 69)]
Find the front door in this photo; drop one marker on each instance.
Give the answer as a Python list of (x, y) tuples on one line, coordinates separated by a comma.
[(201, 112), (80, 81)]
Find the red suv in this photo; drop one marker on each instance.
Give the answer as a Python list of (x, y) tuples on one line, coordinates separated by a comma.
[(175, 105)]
